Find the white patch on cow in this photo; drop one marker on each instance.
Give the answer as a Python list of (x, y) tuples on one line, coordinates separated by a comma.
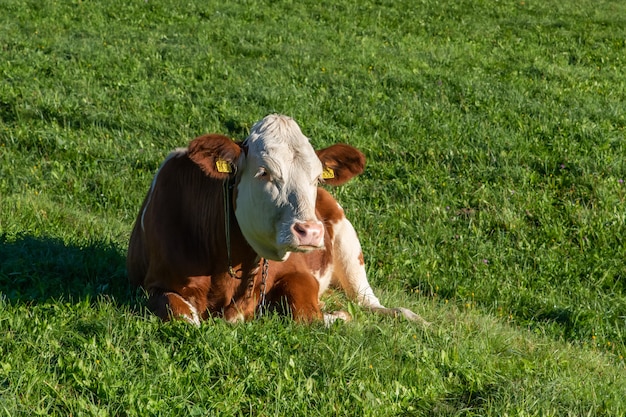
[(324, 279), (178, 152), (349, 271), (277, 189)]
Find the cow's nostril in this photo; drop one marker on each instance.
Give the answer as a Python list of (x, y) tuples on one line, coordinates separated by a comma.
[(309, 233), (300, 229)]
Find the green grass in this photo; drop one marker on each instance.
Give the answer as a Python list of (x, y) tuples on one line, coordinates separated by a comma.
[(493, 203)]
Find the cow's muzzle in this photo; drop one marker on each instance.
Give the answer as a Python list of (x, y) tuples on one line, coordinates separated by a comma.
[(309, 235)]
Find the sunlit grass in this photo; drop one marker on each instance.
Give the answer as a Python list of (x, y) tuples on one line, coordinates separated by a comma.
[(493, 203)]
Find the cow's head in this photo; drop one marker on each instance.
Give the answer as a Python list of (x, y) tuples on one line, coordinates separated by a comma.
[(277, 173)]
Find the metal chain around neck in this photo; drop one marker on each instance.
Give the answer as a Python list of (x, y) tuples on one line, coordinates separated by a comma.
[(262, 299), (231, 271)]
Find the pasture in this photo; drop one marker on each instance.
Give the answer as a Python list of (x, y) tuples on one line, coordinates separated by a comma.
[(493, 203)]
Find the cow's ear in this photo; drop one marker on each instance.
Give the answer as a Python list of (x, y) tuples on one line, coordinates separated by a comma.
[(341, 163), (215, 154)]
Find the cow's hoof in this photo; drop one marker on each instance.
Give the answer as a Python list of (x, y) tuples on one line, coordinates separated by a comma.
[(238, 317), (330, 318), (409, 315), (233, 315), (401, 312)]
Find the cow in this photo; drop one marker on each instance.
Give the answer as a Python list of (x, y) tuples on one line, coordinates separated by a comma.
[(217, 207)]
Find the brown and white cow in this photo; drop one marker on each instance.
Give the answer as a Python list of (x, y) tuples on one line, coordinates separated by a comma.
[(259, 193), (216, 207)]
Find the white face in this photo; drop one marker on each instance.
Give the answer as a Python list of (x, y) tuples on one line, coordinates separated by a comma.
[(277, 189)]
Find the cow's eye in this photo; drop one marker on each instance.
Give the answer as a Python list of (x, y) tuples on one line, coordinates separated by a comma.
[(262, 173)]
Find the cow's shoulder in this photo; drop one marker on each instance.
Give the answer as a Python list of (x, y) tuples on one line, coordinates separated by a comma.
[(328, 209)]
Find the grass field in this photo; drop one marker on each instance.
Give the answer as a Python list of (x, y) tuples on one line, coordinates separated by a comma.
[(493, 203)]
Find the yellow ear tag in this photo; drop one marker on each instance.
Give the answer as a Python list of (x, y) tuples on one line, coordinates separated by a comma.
[(223, 166), (328, 173)]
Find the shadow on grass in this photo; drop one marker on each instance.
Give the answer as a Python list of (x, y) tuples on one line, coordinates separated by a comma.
[(34, 269)]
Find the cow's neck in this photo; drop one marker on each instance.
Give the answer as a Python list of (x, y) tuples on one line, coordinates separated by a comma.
[(245, 255)]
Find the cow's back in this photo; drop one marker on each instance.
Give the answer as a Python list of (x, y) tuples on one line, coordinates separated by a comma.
[(179, 231)]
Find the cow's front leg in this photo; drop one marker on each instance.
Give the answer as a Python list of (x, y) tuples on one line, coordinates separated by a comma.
[(349, 274), (170, 305), (349, 269)]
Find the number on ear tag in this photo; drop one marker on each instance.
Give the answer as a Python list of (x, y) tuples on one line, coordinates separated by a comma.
[(328, 173), (223, 166)]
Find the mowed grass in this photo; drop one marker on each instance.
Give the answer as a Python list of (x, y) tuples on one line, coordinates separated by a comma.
[(493, 203)]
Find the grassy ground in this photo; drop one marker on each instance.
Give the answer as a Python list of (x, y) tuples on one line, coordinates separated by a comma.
[(493, 203)]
